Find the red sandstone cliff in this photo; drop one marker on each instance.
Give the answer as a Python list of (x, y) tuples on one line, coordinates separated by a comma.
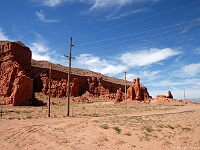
[(15, 57)]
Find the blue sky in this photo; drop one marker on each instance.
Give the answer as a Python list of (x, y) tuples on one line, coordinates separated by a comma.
[(156, 40)]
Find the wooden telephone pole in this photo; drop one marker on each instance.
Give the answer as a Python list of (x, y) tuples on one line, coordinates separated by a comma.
[(49, 91), (125, 84), (125, 90), (69, 71)]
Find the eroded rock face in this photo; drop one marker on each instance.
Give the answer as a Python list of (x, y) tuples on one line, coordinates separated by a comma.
[(14, 57), (119, 96), (137, 91), (59, 88), (22, 91), (74, 85), (96, 86)]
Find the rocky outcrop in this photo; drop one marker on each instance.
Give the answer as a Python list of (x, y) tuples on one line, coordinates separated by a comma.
[(119, 96), (137, 91), (164, 97), (169, 95), (22, 91), (15, 57)]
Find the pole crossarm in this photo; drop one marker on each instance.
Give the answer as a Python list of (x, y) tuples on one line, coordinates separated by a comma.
[(69, 57)]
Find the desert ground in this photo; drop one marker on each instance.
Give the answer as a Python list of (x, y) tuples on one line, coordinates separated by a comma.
[(101, 125)]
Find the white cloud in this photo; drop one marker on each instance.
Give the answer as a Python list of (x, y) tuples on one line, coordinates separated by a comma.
[(94, 63), (190, 70), (42, 17), (3, 36), (144, 75), (114, 16), (39, 47), (53, 3), (40, 51), (147, 57), (99, 4)]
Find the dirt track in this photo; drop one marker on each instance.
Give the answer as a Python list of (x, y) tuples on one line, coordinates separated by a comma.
[(173, 129)]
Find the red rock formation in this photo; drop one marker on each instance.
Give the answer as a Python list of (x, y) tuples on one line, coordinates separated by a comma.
[(144, 93), (118, 97), (96, 86), (169, 95), (164, 97), (137, 91), (74, 85), (22, 91), (14, 56)]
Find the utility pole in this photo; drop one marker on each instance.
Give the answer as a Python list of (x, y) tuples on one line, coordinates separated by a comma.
[(125, 84), (49, 91), (69, 71), (125, 89), (184, 94)]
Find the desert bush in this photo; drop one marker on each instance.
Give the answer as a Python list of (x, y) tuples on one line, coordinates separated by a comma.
[(104, 126), (117, 129)]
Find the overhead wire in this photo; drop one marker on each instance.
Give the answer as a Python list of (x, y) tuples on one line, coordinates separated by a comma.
[(127, 35), (114, 27), (146, 44), (148, 36)]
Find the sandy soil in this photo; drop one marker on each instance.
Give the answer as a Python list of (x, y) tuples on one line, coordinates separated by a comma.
[(102, 126)]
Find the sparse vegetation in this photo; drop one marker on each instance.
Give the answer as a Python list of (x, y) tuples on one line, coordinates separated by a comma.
[(186, 129), (148, 128), (17, 112), (117, 129), (169, 126), (104, 126), (29, 117)]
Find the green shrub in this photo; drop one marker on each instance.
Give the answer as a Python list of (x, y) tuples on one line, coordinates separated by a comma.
[(104, 126), (117, 129)]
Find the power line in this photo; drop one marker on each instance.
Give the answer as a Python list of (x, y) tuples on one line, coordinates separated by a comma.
[(127, 35), (146, 37), (114, 27), (163, 40)]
